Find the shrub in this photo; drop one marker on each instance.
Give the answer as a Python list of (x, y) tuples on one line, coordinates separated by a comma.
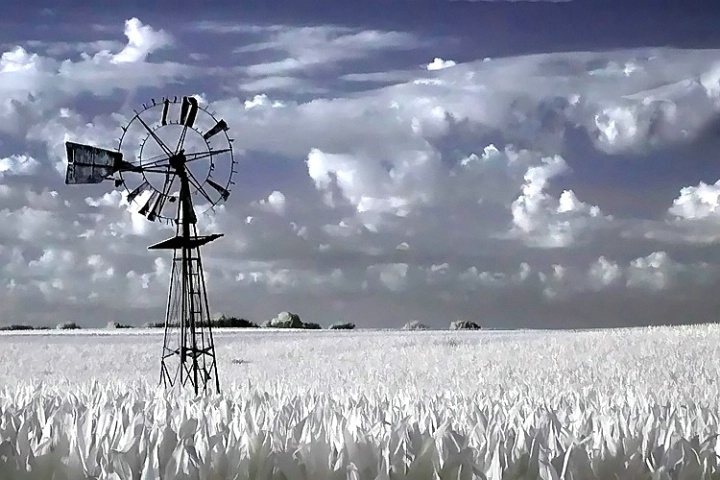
[(342, 326), (220, 322), (112, 325), (15, 327), (464, 325), (68, 326), (414, 325), (232, 322), (285, 320)]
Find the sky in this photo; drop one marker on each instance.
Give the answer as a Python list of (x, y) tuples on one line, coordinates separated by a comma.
[(516, 164)]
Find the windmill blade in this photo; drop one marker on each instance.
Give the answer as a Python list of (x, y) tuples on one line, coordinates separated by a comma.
[(146, 208), (88, 164), (165, 110), (163, 196), (156, 208), (188, 111), (220, 126), (140, 188), (224, 192)]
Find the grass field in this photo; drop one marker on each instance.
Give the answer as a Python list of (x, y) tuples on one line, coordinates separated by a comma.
[(631, 403)]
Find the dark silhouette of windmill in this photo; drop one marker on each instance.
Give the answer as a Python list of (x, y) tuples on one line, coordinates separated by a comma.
[(183, 159)]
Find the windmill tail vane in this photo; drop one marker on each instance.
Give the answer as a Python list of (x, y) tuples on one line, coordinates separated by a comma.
[(170, 149)]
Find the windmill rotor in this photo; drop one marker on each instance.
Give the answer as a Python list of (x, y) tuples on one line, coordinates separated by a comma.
[(152, 142)]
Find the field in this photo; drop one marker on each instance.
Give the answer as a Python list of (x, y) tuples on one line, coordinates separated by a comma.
[(628, 404)]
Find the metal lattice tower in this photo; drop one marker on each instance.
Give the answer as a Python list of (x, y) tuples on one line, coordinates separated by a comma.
[(188, 355)]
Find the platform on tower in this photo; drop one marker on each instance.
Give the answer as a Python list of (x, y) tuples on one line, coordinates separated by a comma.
[(180, 242)]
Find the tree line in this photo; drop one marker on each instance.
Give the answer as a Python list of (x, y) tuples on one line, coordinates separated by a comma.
[(283, 320)]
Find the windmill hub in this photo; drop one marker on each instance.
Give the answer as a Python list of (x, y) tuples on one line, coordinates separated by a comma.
[(178, 161), (188, 356)]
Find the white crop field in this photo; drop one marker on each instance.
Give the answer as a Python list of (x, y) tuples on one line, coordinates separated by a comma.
[(614, 404)]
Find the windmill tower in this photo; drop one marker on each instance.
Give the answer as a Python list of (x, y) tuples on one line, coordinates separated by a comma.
[(172, 153)]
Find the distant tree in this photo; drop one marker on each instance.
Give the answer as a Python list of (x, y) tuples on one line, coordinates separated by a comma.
[(342, 326), (414, 325), (112, 325), (233, 322), (285, 320), (68, 326), (464, 325), (221, 322), (15, 327)]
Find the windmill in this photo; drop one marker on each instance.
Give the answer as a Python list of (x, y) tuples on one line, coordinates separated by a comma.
[(174, 159)]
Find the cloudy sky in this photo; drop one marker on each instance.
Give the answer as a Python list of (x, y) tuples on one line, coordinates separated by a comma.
[(519, 164)]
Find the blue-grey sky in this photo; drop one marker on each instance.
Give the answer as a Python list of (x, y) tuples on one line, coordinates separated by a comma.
[(518, 164)]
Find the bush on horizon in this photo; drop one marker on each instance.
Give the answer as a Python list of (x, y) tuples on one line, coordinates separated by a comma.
[(285, 320), (342, 326), (68, 326), (464, 325), (414, 325), (15, 327), (232, 322), (112, 325)]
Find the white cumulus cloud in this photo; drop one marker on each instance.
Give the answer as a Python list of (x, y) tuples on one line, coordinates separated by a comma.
[(142, 41), (544, 221), (439, 64)]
